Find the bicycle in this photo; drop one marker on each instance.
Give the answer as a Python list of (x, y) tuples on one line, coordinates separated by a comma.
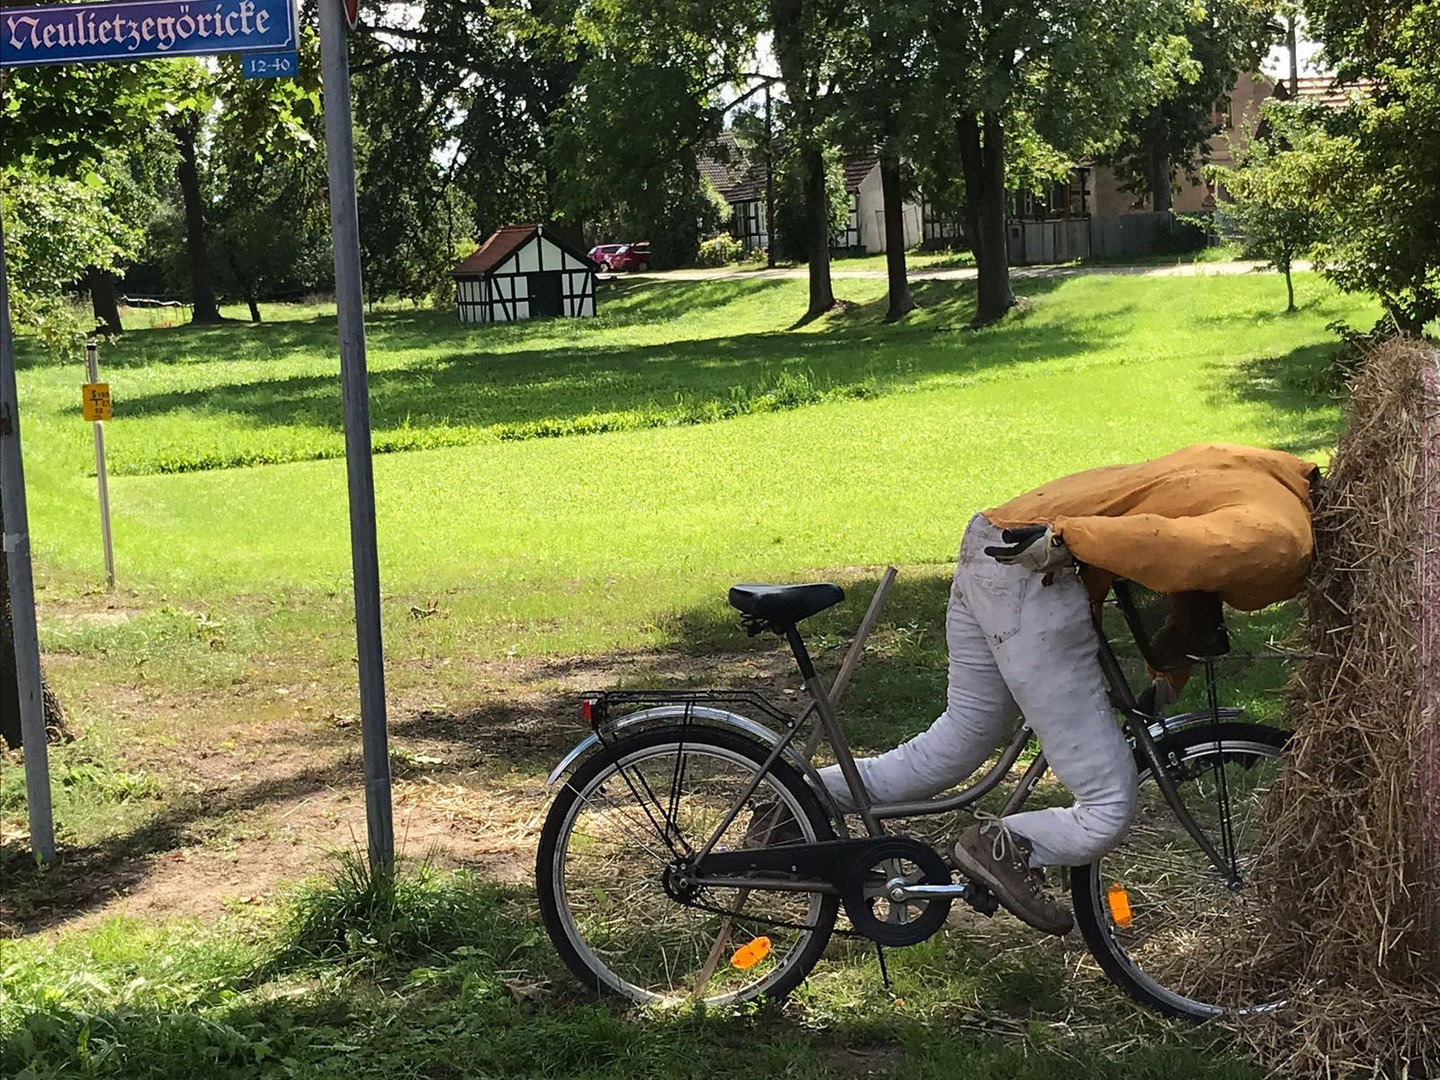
[(686, 829)]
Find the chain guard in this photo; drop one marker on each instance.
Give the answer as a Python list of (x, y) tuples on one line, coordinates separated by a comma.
[(858, 869), (895, 922)]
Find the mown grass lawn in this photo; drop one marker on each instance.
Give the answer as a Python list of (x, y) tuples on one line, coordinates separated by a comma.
[(455, 980), (844, 443), (551, 490)]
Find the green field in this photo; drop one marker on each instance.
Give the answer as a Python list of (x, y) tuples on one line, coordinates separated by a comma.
[(845, 443), (560, 504)]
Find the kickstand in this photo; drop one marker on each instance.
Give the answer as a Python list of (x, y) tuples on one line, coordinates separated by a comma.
[(884, 971)]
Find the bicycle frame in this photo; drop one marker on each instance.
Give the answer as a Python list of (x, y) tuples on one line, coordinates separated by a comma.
[(1137, 720)]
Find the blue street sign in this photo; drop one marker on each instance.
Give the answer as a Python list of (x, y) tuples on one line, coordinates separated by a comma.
[(144, 29), (270, 65)]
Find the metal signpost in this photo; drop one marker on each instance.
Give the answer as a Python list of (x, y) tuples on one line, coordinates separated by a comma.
[(355, 391), (16, 530), (148, 29), (95, 401)]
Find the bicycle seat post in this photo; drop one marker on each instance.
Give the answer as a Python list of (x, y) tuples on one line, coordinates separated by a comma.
[(830, 722)]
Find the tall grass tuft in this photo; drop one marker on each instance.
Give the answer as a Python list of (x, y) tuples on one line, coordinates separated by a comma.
[(362, 916)]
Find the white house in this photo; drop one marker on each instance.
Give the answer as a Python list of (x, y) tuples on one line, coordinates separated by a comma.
[(523, 272), (738, 173)]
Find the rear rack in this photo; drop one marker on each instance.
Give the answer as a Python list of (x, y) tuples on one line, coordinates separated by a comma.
[(602, 701)]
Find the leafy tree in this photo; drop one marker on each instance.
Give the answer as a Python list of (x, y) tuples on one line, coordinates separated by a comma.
[(649, 96), (805, 35), (465, 95), (881, 77), (1275, 194), (790, 232), (52, 228), (1068, 72), (1382, 191), (1224, 37), (187, 106), (264, 167), (55, 228)]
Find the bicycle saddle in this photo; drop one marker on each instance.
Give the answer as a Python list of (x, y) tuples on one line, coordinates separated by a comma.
[(784, 605)]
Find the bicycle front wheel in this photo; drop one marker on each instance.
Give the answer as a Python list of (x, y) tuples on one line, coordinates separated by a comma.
[(1160, 919), (615, 828)]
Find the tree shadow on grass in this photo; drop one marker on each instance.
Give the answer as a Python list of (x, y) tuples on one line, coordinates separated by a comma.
[(1295, 386), (594, 384), (470, 987), (87, 878)]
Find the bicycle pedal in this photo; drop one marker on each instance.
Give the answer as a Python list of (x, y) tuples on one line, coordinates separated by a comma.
[(981, 899)]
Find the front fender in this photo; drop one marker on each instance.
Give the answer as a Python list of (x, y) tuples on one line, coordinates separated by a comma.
[(712, 717), (1184, 721)]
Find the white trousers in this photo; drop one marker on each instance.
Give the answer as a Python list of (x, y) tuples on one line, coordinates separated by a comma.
[(1018, 646)]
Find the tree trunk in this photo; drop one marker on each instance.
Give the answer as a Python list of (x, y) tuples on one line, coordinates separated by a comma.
[(982, 156), (769, 184), (247, 288), (793, 53), (10, 679), (1292, 44), (103, 301), (817, 233), (1289, 288), (202, 290), (900, 299), (1158, 167)]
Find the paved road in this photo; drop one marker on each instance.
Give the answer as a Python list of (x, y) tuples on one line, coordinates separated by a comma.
[(965, 273)]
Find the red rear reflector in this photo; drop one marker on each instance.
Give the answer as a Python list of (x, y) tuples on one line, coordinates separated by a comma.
[(587, 709)]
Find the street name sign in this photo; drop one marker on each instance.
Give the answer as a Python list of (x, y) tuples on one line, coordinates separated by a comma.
[(143, 30)]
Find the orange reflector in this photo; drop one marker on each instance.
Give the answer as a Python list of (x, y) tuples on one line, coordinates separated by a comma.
[(748, 955), (1119, 901)]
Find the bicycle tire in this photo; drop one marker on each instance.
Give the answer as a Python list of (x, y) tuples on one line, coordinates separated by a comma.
[(1237, 743), (564, 933)]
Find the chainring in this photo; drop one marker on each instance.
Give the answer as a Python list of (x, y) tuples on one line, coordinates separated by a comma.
[(895, 922)]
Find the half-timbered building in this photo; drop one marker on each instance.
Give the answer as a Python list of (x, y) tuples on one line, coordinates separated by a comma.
[(524, 272)]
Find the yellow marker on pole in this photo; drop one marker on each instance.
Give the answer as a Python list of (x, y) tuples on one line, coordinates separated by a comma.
[(95, 403), (96, 398)]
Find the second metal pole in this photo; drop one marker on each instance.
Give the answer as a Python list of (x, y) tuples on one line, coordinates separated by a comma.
[(355, 391), (15, 530), (92, 371)]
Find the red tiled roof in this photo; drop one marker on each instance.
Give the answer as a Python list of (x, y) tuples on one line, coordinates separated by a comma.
[(502, 243), (1326, 90), (856, 169), (737, 172)]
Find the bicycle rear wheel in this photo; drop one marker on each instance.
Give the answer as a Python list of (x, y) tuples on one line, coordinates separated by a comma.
[(1177, 937), (604, 851)]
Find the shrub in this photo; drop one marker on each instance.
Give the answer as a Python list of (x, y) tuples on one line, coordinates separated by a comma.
[(719, 250)]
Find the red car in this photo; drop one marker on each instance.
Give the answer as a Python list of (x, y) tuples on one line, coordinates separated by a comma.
[(632, 257), (601, 254)]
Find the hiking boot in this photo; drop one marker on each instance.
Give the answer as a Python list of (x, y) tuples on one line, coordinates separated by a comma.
[(995, 857), (771, 823)]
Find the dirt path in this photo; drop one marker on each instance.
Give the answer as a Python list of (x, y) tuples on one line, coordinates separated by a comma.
[(260, 786), (968, 273)]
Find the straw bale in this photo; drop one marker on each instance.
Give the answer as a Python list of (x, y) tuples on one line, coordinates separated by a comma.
[(1348, 873)]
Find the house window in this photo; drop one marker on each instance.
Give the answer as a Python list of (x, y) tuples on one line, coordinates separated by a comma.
[(1061, 199), (939, 227), (749, 226)]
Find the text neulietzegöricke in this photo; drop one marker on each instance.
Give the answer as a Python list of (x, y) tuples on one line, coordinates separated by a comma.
[(164, 31)]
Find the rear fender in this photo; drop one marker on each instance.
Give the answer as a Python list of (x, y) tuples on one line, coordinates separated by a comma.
[(710, 717)]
